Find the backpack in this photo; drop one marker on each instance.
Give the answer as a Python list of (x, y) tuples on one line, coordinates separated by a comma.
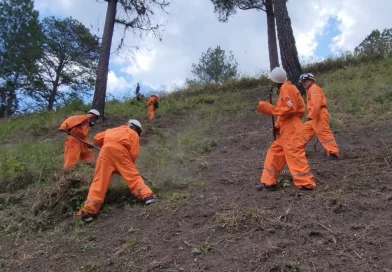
[(156, 104)]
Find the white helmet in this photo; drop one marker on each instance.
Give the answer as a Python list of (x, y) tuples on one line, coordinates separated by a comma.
[(278, 75), (136, 123), (95, 112), (306, 76)]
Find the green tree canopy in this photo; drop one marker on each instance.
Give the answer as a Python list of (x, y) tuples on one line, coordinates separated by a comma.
[(215, 66), (20, 47), (226, 8), (67, 68), (377, 44)]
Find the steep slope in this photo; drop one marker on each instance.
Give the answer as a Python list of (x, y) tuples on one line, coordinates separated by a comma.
[(210, 218)]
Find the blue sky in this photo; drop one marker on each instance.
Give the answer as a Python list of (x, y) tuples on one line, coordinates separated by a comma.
[(321, 28), (324, 39)]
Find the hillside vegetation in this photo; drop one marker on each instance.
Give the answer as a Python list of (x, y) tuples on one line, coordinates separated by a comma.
[(203, 154)]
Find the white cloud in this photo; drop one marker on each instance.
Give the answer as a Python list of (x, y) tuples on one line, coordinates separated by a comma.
[(357, 19), (193, 27), (141, 63), (117, 84)]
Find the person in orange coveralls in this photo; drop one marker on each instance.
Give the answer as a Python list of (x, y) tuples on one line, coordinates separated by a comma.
[(79, 126), (151, 106), (120, 148), (288, 147), (318, 117)]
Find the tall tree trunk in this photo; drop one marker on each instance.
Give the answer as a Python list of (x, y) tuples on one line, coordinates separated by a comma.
[(52, 96), (104, 55), (272, 42), (288, 49), (51, 99), (53, 92), (3, 99), (12, 100)]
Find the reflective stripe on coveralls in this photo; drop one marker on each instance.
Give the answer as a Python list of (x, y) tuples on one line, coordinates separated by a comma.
[(120, 148), (319, 123), (288, 148)]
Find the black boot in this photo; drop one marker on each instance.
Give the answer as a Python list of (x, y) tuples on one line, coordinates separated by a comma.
[(269, 188), (88, 217), (332, 157)]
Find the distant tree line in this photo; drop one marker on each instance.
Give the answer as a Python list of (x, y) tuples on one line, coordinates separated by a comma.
[(376, 45)]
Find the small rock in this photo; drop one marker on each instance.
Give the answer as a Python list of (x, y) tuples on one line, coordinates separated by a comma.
[(356, 227), (315, 234)]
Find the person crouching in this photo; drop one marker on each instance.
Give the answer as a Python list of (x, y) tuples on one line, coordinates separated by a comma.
[(120, 148)]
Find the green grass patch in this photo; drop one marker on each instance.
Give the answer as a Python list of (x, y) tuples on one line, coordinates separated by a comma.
[(194, 143), (127, 109), (26, 163), (358, 91)]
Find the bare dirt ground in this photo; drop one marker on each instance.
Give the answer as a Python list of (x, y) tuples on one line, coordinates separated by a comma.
[(224, 224)]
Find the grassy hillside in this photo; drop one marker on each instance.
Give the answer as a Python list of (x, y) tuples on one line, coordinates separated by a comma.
[(203, 153), (31, 147)]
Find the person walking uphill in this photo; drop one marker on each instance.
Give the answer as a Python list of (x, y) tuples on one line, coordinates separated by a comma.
[(120, 148), (152, 105), (137, 91), (78, 126), (288, 147), (318, 117)]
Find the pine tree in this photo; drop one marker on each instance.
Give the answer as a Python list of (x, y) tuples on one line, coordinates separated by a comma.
[(215, 66)]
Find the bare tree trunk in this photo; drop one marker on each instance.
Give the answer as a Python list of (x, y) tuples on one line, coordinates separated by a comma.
[(288, 49), (272, 42), (53, 92), (11, 98), (51, 99), (104, 56)]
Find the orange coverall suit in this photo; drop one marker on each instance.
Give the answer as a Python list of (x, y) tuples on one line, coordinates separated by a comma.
[(150, 105), (319, 123), (120, 148), (288, 148), (74, 149)]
